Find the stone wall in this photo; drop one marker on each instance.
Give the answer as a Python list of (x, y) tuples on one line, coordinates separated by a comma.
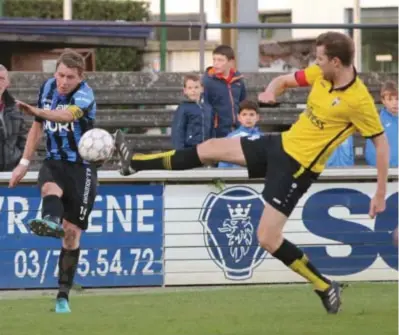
[(162, 88), (118, 80)]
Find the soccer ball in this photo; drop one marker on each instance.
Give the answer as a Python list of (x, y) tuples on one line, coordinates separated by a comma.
[(96, 145)]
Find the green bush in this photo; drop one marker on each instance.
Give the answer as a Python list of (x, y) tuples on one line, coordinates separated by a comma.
[(107, 59)]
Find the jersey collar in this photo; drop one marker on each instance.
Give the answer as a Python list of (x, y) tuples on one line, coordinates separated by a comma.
[(345, 87)]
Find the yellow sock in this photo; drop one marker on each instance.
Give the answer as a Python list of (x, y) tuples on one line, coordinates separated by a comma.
[(306, 270), (184, 159), (161, 161)]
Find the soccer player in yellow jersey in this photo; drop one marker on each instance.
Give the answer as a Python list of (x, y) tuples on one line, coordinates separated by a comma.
[(338, 105)]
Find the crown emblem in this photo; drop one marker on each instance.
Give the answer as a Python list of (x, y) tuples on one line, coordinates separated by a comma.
[(239, 212)]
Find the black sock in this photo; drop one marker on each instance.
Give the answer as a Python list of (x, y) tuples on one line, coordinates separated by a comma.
[(67, 264), (295, 258), (52, 208), (184, 159)]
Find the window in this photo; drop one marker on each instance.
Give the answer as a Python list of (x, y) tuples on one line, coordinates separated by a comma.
[(379, 46), (275, 34)]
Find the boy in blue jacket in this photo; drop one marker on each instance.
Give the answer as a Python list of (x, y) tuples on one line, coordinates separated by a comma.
[(389, 119), (224, 89), (248, 116), (193, 119)]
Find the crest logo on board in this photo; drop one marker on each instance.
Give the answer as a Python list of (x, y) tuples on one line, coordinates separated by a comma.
[(230, 220)]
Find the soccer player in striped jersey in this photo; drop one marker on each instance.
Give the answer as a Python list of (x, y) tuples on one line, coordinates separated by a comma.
[(66, 109)]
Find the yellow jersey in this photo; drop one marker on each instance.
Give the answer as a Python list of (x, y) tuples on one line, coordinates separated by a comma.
[(330, 117)]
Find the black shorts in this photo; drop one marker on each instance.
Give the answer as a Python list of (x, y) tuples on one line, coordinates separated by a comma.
[(285, 179), (79, 185)]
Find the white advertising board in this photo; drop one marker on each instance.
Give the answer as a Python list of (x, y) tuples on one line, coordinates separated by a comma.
[(210, 235)]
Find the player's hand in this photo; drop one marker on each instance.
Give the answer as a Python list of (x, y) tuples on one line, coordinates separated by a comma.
[(17, 174), (377, 205), (27, 109), (267, 99)]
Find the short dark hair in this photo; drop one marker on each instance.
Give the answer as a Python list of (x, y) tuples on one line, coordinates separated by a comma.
[(224, 50), (389, 88), (337, 45), (249, 104), (191, 76), (73, 60)]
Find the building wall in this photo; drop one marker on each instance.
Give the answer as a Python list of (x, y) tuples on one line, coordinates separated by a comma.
[(303, 11), (181, 56)]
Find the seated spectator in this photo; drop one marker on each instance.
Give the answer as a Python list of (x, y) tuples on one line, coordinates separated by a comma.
[(389, 119), (343, 155), (13, 130), (193, 120), (248, 116)]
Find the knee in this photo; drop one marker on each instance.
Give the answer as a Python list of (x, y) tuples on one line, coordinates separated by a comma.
[(205, 152), (51, 189), (71, 239), (269, 239)]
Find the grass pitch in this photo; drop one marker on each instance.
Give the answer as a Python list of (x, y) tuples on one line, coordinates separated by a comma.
[(368, 309)]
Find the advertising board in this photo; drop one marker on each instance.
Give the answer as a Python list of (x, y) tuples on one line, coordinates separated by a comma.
[(210, 235), (123, 245)]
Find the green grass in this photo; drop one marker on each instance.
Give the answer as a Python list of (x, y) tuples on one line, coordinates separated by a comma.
[(368, 309)]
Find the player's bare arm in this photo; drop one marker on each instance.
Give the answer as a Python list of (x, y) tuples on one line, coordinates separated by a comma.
[(63, 116), (34, 136), (277, 87), (377, 204)]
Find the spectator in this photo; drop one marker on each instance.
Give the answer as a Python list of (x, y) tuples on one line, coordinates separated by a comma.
[(192, 121), (389, 119), (12, 127), (343, 155), (248, 116), (224, 89)]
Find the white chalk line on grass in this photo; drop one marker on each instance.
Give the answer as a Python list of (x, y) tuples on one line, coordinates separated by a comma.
[(35, 294)]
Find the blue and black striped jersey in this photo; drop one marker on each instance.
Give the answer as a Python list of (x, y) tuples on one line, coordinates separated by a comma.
[(63, 138)]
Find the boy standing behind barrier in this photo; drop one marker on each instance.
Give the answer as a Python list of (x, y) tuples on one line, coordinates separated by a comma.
[(224, 89), (248, 117), (192, 121), (389, 119), (343, 155)]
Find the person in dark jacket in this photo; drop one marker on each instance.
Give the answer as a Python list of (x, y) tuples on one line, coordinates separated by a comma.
[(193, 119), (12, 127), (224, 89)]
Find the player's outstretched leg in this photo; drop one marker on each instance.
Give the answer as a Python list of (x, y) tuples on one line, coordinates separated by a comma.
[(271, 239), (52, 211), (211, 151), (67, 265)]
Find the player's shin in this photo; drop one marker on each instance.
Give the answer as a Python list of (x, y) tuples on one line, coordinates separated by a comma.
[(184, 159), (294, 258), (52, 208), (67, 265)]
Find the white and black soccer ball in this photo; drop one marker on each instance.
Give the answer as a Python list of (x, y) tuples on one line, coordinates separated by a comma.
[(96, 145)]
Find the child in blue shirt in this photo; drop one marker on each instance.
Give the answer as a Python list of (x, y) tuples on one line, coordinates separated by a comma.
[(248, 116), (343, 155), (389, 120)]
